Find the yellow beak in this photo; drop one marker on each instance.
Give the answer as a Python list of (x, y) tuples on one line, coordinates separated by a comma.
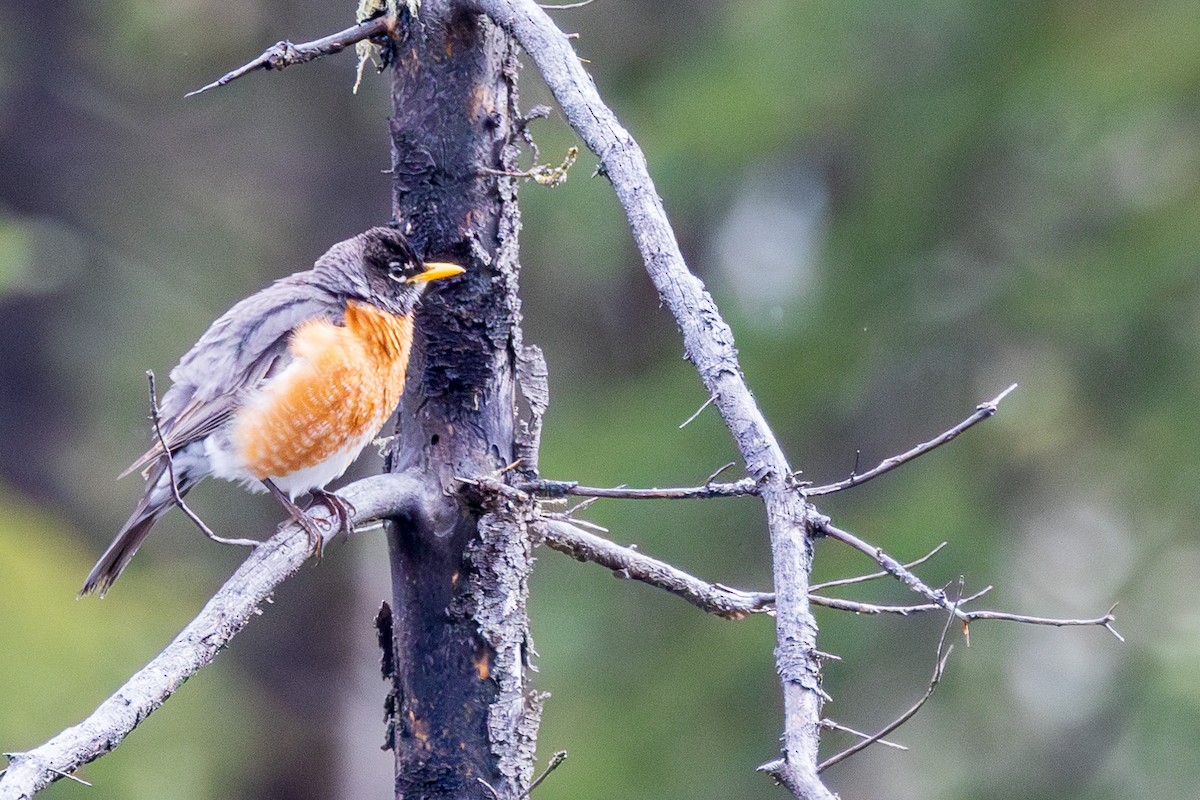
[(436, 270)]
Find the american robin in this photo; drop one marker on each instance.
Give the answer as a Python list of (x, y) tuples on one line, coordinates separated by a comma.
[(284, 390)]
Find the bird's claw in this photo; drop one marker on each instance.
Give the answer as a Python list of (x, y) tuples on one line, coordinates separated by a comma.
[(341, 509)]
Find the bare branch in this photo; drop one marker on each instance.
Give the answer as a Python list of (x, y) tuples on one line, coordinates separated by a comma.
[(285, 54), (175, 493), (982, 412), (816, 587), (545, 488), (227, 613), (708, 344), (939, 669), (830, 725), (713, 598), (894, 568), (938, 596), (556, 761), (1107, 621), (855, 607), (697, 412), (629, 563)]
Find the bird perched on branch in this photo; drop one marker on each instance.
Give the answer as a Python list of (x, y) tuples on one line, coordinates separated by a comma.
[(284, 390)]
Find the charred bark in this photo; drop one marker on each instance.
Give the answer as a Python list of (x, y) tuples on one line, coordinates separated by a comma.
[(461, 716)]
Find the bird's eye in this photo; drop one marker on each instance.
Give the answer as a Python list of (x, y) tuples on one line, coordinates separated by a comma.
[(395, 270)]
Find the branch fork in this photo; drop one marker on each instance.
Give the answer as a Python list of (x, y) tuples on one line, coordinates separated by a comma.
[(793, 523)]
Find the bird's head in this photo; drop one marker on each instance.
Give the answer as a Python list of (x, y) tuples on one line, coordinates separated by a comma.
[(382, 268)]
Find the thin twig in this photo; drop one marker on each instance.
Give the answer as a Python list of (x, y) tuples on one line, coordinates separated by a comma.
[(714, 598), (855, 607), (69, 776), (891, 566), (285, 54), (556, 761), (698, 412), (712, 477), (982, 412), (227, 613), (939, 669), (938, 596), (546, 175), (829, 724), (816, 587), (176, 495), (746, 486), (1107, 621)]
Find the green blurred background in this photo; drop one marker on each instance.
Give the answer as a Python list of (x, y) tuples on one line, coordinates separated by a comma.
[(901, 207)]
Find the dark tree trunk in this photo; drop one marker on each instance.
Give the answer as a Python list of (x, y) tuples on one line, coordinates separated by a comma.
[(460, 712)]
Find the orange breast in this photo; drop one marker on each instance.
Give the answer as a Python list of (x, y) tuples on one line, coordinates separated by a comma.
[(341, 386)]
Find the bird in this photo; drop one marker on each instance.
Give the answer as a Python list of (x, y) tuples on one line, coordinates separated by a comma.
[(286, 388)]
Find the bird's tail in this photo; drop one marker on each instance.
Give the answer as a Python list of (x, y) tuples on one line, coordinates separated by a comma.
[(156, 501)]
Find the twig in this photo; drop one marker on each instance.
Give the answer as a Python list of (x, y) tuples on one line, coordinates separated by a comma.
[(939, 669), (855, 607), (57, 772), (556, 761), (982, 412), (227, 613), (712, 477), (698, 412), (285, 54), (939, 598), (829, 724), (175, 493), (714, 598), (628, 563), (893, 568), (1107, 621), (816, 587), (746, 486)]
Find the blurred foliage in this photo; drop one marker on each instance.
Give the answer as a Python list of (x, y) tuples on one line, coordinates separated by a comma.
[(902, 208)]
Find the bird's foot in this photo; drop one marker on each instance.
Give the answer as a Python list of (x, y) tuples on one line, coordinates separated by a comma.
[(341, 509), (316, 539)]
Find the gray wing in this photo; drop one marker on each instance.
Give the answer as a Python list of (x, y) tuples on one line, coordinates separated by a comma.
[(235, 355)]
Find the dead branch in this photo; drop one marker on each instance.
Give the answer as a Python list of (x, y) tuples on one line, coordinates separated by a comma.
[(547, 488), (226, 614), (556, 761), (982, 412), (708, 343), (285, 54), (938, 596), (830, 725), (939, 669), (714, 598), (873, 609), (629, 563), (817, 587), (156, 423)]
